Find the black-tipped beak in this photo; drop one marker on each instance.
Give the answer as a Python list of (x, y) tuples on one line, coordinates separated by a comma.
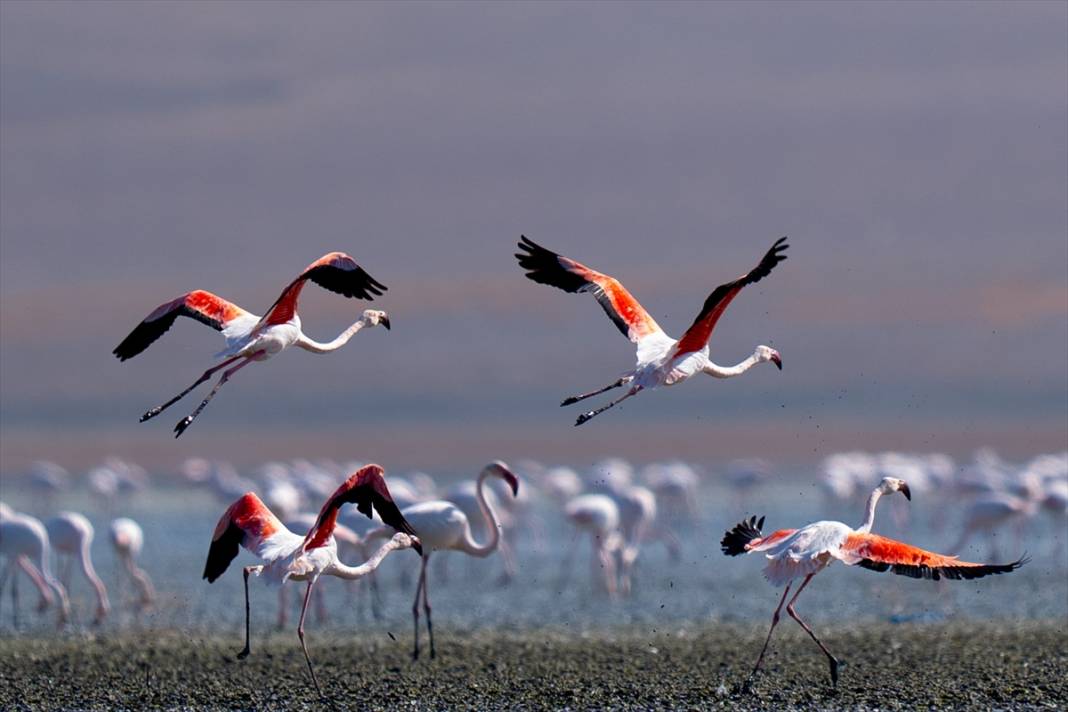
[(777, 360), (417, 545), (905, 491), (384, 321)]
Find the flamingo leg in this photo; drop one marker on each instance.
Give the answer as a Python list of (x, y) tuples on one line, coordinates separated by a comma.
[(7, 571), (426, 609), (246, 650), (575, 399), (188, 420), (508, 560), (376, 596), (300, 634), (283, 608), (774, 622), (590, 414), (204, 376), (415, 605), (15, 600), (793, 614)]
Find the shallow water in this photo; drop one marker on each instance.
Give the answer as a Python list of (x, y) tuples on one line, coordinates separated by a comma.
[(704, 585)]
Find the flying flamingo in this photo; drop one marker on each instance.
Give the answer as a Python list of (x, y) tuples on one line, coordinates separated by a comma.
[(442, 526), (24, 542), (288, 556), (252, 338), (805, 552), (71, 535), (662, 361), (127, 539)]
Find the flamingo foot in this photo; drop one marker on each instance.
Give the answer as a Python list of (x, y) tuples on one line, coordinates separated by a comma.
[(570, 400), (834, 672), (149, 414), (244, 653), (182, 425), (583, 418)]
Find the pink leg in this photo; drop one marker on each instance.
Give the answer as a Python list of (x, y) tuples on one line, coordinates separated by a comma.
[(205, 376), (415, 604), (283, 608), (188, 420), (426, 609), (793, 614), (774, 622), (300, 634)]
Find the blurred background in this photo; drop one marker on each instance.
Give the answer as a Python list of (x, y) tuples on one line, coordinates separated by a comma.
[(916, 155)]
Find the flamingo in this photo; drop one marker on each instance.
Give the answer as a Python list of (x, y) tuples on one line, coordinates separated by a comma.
[(288, 556), (662, 361), (805, 552), (597, 514), (127, 539), (24, 542), (71, 535), (442, 526), (252, 338)]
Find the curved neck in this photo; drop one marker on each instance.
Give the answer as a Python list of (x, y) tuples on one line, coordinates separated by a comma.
[(727, 371), (468, 545), (343, 338), (350, 573), (144, 583), (103, 605), (869, 511)]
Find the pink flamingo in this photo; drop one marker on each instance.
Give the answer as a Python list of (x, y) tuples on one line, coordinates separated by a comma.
[(288, 556), (71, 535), (252, 338), (24, 542), (662, 361), (127, 539), (805, 552)]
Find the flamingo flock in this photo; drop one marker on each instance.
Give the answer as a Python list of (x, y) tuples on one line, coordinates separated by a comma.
[(621, 509)]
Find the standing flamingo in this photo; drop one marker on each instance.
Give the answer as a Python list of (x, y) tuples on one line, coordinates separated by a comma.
[(662, 361), (127, 539), (71, 535), (807, 551), (24, 542), (252, 338), (442, 526), (288, 556), (597, 514)]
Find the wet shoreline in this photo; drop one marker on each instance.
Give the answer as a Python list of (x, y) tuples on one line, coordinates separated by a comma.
[(962, 664)]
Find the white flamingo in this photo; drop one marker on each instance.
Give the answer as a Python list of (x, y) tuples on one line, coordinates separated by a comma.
[(128, 540), (288, 556), (252, 338), (71, 535), (442, 526), (793, 553), (598, 516), (662, 361), (24, 538)]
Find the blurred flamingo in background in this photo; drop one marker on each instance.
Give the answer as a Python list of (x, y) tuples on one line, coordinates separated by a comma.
[(24, 543), (662, 361), (288, 556), (252, 338), (127, 539), (793, 553), (597, 515), (71, 535)]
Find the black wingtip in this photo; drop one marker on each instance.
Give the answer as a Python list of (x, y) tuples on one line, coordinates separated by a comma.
[(735, 540)]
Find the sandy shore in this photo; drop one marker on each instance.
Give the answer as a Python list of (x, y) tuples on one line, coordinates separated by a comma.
[(973, 665)]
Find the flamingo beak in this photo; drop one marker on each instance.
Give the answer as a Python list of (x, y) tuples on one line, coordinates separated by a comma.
[(384, 321), (509, 477), (777, 360), (905, 491)]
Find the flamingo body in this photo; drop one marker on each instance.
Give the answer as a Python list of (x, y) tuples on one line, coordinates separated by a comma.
[(661, 360), (71, 534), (249, 337)]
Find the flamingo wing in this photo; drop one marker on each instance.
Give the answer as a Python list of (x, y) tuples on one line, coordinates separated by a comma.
[(366, 489), (205, 307), (746, 536), (546, 267), (880, 553), (250, 523), (696, 337), (335, 271)]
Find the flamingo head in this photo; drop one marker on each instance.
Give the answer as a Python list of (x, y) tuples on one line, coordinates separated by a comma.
[(893, 484), (766, 353), (374, 317), (499, 469)]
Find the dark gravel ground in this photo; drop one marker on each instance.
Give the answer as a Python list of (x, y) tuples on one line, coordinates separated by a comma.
[(959, 665)]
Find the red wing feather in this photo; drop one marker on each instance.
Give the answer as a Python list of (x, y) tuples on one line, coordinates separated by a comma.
[(366, 489), (205, 307), (335, 271), (696, 337), (547, 267), (248, 521), (880, 553)]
